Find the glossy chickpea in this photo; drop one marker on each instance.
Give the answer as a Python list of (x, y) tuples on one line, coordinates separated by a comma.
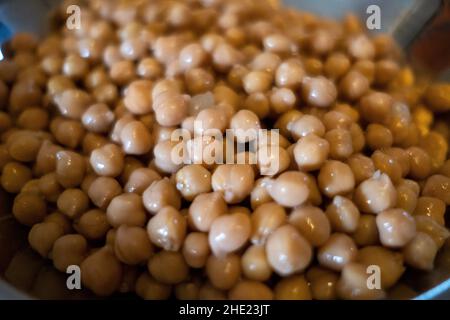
[(376, 194), (193, 180), (250, 290), (72, 103), (336, 65), (29, 208), (289, 189), (406, 198), (170, 109), (420, 252), (138, 97), (353, 284), (319, 92), (196, 249), (23, 146), (245, 125), (235, 181), (306, 124), (255, 265), (338, 251), (92, 224), (140, 179), (199, 80), (69, 133), (126, 209), (437, 186), (132, 245), (366, 232), (102, 190), (375, 106), (136, 138), (159, 194), (340, 142), (310, 152), (167, 229), (107, 160), (72, 202), (396, 227), (353, 85), (15, 176), (387, 164), (322, 283), (378, 137), (70, 168), (122, 72), (336, 178), (312, 223), (43, 235), (343, 215), (289, 74), (33, 119), (293, 288), (420, 163), (70, 249), (431, 207), (98, 118)]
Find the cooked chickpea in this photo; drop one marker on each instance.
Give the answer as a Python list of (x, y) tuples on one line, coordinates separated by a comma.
[(293, 288), (420, 252), (73, 202), (306, 124), (420, 163), (366, 232), (289, 73), (375, 106), (223, 272), (336, 65), (431, 207), (259, 194), (107, 160), (437, 186), (319, 92), (245, 125), (250, 290), (287, 251), (336, 178), (140, 179), (170, 108), (149, 289), (72, 103), (437, 232), (322, 283), (289, 189), (69, 133), (106, 282), (193, 180), (354, 85), (70, 249), (43, 235), (310, 152), (338, 251), (168, 267), (362, 167), (70, 168), (228, 233), (149, 68), (132, 245), (343, 215), (122, 72), (376, 194), (126, 209), (378, 136), (135, 138), (396, 227), (312, 223), (23, 146), (98, 118), (159, 194), (102, 190), (340, 142), (138, 97), (353, 284), (14, 176), (33, 119), (234, 181), (92, 224), (167, 229), (196, 249)]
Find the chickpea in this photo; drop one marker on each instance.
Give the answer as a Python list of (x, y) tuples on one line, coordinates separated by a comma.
[(135, 138), (107, 160), (259, 194), (376, 194), (388, 165), (293, 288), (336, 65), (92, 224), (199, 80), (343, 215), (98, 118), (245, 125), (72, 103), (122, 72), (138, 98), (60, 219), (132, 245), (149, 68), (167, 229), (338, 251), (366, 233), (126, 209), (336, 178), (378, 136), (43, 235), (312, 223), (420, 252), (420, 163), (289, 189), (170, 108), (385, 71), (102, 190), (70, 168), (289, 73), (33, 119), (196, 249), (306, 124), (431, 207), (396, 227), (70, 249), (224, 56), (106, 282), (75, 67), (69, 133), (159, 194), (322, 283), (149, 289), (319, 92), (210, 119), (193, 180), (402, 157), (223, 272), (353, 284), (235, 181), (354, 85), (23, 146), (187, 291), (140, 179), (310, 152), (362, 167), (250, 290), (287, 251), (24, 94), (15, 176), (340, 142), (437, 186), (376, 106), (406, 198), (168, 267), (255, 265), (228, 233), (208, 292), (437, 232), (266, 219), (73, 202)]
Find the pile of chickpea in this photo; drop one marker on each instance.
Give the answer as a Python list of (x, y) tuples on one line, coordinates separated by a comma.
[(86, 119)]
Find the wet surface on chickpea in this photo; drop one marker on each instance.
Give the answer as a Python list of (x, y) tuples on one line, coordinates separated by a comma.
[(87, 152)]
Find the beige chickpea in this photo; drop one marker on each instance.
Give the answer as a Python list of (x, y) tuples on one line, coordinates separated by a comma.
[(375, 194), (402, 157), (192, 56), (72, 202), (289, 189), (70, 249), (126, 209), (312, 223), (338, 251), (378, 136), (288, 251), (306, 124), (272, 159), (289, 73), (319, 92), (170, 108), (224, 56), (390, 263), (167, 229), (199, 80), (266, 219), (132, 245), (92, 224), (92, 141), (375, 106), (72, 103), (33, 119), (149, 68), (149, 289), (250, 290), (235, 181), (122, 72), (294, 287), (360, 47), (106, 282), (437, 186), (70, 168), (23, 146), (228, 233), (24, 94), (429, 226), (420, 163), (259, 194), (245, 125), (205, 208), (159, 194), (60, 219), (366, 233), (310, 152), (69, 133), (98, 118), (431, 207), (336, 65), (43, 235), (209, 120), (102, 190), (396, 227), (258, 103), (362, 167), (265, 61), (406, 198), (336, 120), (193, 180), (420, 252), (352, 284), (196, 249), (138, 97), (336, 178), (75, 66), (107, 160), (255, 265), (322, 283), (14, 176), (343, 215), (135, 138), (223, 272), (257, 81), (353, 85), (340, 141), (168, 267), (140, 179)]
